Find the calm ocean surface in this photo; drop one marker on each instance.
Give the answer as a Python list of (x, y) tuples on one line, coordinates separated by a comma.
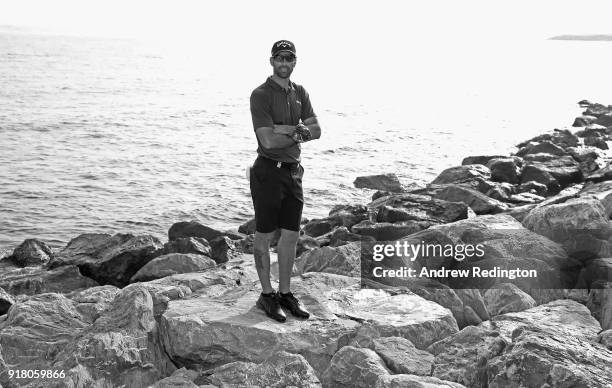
[(108, 135)]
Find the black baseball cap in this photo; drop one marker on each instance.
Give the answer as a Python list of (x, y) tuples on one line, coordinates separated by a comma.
[(283, 45)]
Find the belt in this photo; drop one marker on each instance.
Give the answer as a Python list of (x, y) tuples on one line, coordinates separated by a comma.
[(277, 164)]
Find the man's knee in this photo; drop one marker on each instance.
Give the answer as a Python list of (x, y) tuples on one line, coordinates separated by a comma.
[(262, 240), (289, 236)]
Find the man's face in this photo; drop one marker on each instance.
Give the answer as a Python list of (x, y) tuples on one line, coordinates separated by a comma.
[(283, 64)]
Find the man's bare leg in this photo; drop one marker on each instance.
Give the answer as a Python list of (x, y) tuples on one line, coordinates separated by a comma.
[(261, 252), (286, 257)]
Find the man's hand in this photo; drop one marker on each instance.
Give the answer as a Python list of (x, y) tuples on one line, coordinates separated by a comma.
[(284, 129)]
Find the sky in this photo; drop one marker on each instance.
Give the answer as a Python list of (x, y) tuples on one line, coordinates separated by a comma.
[(369, 23)]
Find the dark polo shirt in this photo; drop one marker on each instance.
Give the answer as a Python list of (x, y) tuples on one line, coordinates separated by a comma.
[(270, 105)]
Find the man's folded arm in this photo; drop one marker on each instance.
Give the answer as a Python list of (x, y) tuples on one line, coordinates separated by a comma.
[(313, 127), (270, 140)]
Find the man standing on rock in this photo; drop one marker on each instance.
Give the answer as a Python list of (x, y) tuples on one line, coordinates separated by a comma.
[(283, 119)]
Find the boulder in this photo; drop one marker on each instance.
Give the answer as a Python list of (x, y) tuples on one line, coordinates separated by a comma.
[(480, 203), (600, 303), (341, 236), (305, 244), (504, 170), (6, 301), (507, 298), (121, 347), (592, 141), (462, 357), (319, 226), (280, 370), (481, 159), (37, 280), (204, 330), (385, 182), (31, 252), (108, 259), (595, 272), (415, 207), (533, 187), (554, 171), (561, 137), (552, 345), (342, 260), (400, 381), (195, 229), (589, 159), (579, 224), (92, 302), (181, 378), (354, 368), (605, 338), (401, 356), (546, 147), (601, 191), (172, 264), (224, 249), (463, 173), (525, 198), (35, 331), (519, 212), (386, 231), (348, 215), (601, 175), (248, 227), (583, 121), (197, 245), (604, 120), (597, 110)]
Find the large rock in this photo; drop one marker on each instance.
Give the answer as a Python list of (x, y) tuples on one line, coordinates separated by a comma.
[(31, 252), (546, 147), (281, 370), (480, 159), (505, 244), (480, 203), (552, 345), (181, 378), (580, 224), (415, 207), (583, 121), (561, 137), (195, 229), (592, 141), (602, 191), (507, 298), (463, 173), (354, 368), (35, 332), (6, 301), (37, 280), (596, 270), (387, 231), (605, 338), (92, 302), (342, 260), (357, 367), (197, 245), (224, 249), (462, 357), (108, 259), (564, 169), (339, 215), (225, 326), (172, 264), (385, 182), (401, 356), (121, 347), (600, 304), (341, 236), (504, 170), (603, 174)]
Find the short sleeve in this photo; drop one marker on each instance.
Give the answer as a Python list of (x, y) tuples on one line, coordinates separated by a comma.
[(307, 111), (260, 110)]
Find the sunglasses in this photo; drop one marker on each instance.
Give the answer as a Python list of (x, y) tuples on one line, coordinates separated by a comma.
[(286, 58)]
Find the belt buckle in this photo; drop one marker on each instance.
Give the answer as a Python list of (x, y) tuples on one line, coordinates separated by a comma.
[(279, 164)]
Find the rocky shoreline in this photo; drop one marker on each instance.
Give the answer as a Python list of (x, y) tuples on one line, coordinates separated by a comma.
[(129, 310)]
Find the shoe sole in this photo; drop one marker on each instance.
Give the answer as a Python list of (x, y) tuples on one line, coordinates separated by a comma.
[(269, 315)]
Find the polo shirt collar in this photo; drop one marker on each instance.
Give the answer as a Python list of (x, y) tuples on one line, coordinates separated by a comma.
[(275, 84)]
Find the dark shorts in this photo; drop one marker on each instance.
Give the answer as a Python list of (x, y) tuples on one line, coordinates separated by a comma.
[(277, 195)]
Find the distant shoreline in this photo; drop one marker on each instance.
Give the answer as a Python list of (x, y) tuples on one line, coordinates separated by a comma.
[(592, 38)]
